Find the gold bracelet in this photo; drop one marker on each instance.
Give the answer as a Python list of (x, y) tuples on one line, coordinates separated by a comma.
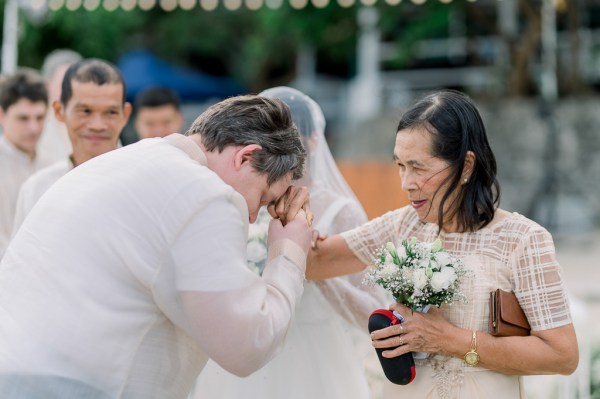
[(472, 357)]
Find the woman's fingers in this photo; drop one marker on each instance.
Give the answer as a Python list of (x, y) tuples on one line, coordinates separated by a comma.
[(297, 198), (290, 203)]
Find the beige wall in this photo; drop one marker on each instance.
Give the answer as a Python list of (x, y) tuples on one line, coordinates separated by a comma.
[(376, 185)]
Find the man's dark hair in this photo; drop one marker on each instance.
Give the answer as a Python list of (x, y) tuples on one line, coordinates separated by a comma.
[(157, 97), (25, 83), (245, 120), (90, 70)]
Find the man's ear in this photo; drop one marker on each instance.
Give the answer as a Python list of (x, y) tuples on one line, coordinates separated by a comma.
[(468, 166), (1, 116), (59, 110), (127, 108), (244, 155)]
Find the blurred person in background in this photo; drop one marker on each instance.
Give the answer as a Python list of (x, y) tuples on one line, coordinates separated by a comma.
[(92, 106), (23, 105), (54, 142), (157, 113), (323, 355)]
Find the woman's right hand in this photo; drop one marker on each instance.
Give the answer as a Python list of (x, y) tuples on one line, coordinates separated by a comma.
[(290, 203), (420, 332)]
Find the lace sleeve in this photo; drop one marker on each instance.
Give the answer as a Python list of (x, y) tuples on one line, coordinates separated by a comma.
[(537, 280), (366, 239)]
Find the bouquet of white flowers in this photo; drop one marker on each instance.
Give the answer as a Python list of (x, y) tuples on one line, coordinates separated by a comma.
[(257, 242), (418, 274)]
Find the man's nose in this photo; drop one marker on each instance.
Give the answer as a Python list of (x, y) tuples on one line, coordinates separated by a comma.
[(97, 122), (35, 126)]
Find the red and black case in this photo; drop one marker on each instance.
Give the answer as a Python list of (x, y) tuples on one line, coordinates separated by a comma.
[(399, 370)]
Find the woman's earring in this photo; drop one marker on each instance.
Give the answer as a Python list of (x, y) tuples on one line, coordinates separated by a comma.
[(465, 180)]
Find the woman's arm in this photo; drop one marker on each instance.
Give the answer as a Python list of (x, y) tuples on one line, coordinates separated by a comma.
[(331, 257), (552, 351)]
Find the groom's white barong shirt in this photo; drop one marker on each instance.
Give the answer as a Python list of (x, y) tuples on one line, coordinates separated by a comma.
[(130, 272)]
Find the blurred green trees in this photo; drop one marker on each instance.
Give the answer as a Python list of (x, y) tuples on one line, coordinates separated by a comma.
[(259, 48), (256, 47)]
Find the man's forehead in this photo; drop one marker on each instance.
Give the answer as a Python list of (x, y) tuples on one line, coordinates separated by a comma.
[(91, 91), (26, 106), (279, 187), (286, 180)]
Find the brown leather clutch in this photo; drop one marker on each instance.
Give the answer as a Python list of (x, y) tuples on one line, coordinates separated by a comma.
[(506, 316)]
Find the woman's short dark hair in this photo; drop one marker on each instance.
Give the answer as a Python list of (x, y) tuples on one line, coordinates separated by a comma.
[(456, 127), (249, 119)]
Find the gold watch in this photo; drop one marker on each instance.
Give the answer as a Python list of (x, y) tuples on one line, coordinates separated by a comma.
[(472, 357)]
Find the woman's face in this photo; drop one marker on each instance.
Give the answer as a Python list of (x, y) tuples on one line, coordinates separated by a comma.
[(422, 175)]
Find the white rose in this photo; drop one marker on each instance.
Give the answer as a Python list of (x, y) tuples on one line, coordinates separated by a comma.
[(443, 279), (419, 279), (256, 231), (425, 249), (256, 251), (443, 258)]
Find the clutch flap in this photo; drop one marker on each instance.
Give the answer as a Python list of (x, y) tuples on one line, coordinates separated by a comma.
[(510, 310)]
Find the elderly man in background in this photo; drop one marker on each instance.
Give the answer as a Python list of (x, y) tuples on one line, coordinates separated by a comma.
[(92, 106), (23, 104), (54, 142)]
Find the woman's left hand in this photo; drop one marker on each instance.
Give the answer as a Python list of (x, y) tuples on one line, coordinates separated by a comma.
[(420, 332)]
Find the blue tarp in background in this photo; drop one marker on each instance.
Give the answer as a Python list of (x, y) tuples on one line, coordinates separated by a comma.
[(141, 70)]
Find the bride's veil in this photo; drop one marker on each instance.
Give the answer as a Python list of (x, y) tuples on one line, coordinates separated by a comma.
[(333, 203), (322, 174)]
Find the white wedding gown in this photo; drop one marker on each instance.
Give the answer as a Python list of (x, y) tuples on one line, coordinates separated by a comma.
[(323, 355)]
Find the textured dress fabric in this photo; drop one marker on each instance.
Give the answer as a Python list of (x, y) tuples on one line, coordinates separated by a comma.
[(515, 254), (129, 273)]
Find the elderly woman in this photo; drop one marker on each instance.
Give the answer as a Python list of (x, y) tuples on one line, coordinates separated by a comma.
[(448, 171)]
